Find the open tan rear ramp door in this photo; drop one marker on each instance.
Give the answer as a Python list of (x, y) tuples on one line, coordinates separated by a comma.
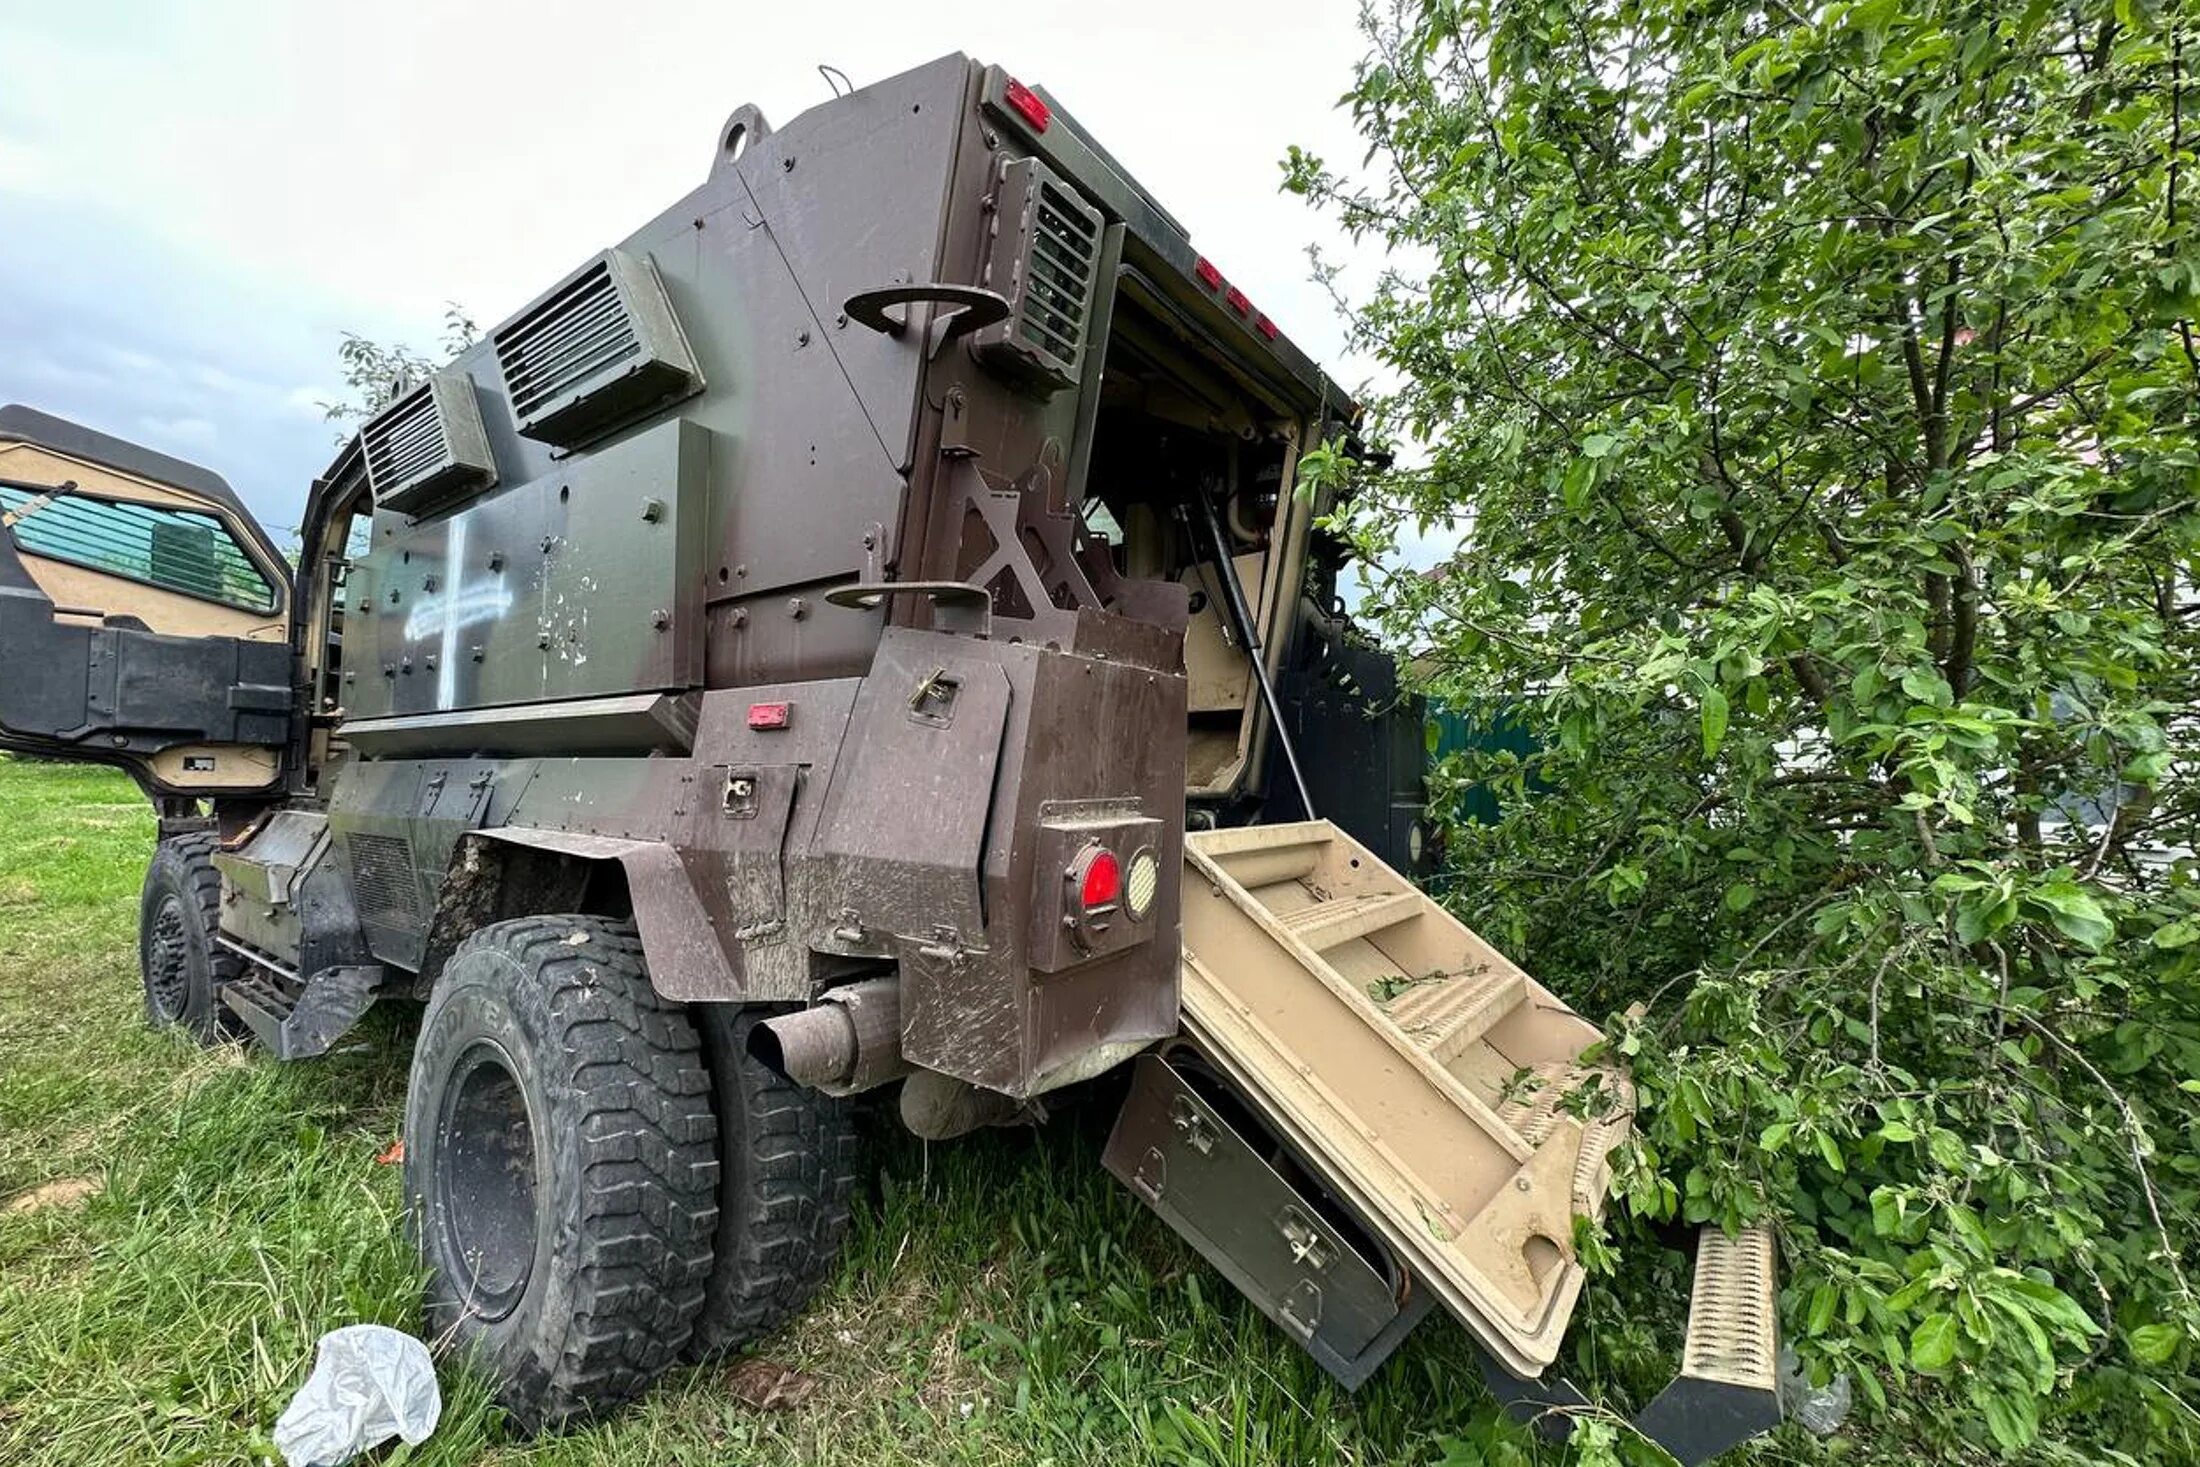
[(1372, 1109), (1433, 1083)]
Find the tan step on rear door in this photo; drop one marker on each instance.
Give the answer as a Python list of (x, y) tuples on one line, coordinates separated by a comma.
[(1437, 1088)]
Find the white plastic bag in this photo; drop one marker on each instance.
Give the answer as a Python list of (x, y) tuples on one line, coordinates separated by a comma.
[(1821, 1408), (369, 1383)]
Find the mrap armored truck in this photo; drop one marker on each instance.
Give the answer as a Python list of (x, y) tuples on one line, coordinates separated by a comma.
[(862, 630)]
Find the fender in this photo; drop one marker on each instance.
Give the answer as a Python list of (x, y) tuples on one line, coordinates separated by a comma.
[(687, 961)]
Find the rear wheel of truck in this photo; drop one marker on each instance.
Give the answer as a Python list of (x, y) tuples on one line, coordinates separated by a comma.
[(560, 1165), (787, 1160), (180, 955)]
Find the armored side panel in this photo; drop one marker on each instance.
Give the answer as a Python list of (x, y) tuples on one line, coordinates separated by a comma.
[(397, 824), (646, 479), (585, 582)]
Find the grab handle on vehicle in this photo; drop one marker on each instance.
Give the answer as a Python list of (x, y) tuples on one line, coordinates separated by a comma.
[(973, 309)]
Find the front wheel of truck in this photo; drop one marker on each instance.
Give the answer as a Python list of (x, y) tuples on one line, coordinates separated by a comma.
[(180, 954), (560, 1166)]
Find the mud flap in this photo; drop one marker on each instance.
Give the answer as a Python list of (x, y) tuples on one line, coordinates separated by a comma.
[(1185, 1144)]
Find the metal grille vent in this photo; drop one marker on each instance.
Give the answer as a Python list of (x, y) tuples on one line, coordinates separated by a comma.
[(601, 348), (1044, 256), (427, 447), (1065, 244), (382, 876)]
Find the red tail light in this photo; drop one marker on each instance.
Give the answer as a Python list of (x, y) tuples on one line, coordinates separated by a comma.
[(1208, 275), (1027, 104), (1237, 301), (1101, 885)]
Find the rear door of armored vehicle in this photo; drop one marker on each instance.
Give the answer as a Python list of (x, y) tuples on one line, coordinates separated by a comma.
[(144, 614)]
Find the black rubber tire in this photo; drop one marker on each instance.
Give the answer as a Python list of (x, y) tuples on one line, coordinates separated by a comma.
[(561, 1166), (182, 965), (787, 1163)]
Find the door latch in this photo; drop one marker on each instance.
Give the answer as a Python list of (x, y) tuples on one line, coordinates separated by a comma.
[(1198, 1131), (1309, 1248)]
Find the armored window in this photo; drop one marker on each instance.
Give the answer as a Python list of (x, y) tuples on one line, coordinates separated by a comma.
[(173, 549)]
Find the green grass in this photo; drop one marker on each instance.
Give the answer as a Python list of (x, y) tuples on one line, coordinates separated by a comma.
[(1003, 1301)]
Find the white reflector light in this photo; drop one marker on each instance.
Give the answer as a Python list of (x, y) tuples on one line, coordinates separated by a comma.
[(1142, 885)]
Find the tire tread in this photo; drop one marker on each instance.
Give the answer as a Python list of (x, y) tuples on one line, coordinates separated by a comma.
[(639, 1104), (784, 1214)]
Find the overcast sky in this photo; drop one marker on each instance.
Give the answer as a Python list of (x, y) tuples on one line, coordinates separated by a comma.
[(195, 200)]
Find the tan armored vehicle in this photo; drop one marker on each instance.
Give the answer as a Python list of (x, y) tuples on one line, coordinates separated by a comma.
[(855, 635)]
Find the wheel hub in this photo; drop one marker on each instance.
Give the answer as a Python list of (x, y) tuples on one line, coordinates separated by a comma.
[(167, 971), (485, 1174)]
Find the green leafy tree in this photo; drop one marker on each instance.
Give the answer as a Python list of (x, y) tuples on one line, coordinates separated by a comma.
[(1812, 393), (376, 372)]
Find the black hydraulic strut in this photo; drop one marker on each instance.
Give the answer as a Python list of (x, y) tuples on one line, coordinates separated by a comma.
[(1241, 615)]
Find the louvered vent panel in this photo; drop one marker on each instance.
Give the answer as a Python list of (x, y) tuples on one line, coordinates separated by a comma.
[(1044, 257), (564, 341), (602, 348), (427, 448), (1065, 244), (383, 879)]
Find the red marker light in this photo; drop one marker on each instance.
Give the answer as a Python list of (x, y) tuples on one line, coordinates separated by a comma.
[(1102, 882), (768, 715), (1027, 104), (1265, 327), (1237, 302), (1208, 275)]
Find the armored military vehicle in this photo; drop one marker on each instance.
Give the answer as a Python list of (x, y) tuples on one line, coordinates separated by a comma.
[(858, 631)]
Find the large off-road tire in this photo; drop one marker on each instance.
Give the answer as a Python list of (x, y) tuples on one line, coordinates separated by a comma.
[(561, 1166), (787, 1161), (179, 919)]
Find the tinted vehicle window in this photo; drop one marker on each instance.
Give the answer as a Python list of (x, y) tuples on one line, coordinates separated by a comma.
[(173, 549)]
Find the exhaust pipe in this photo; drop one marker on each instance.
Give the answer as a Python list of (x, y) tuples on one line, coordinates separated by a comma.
[(848, 1041)]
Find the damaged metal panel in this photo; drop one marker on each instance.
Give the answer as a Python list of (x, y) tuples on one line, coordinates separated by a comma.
[(586, 582)]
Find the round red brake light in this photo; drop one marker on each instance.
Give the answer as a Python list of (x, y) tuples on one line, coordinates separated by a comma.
[(1102, 883)]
